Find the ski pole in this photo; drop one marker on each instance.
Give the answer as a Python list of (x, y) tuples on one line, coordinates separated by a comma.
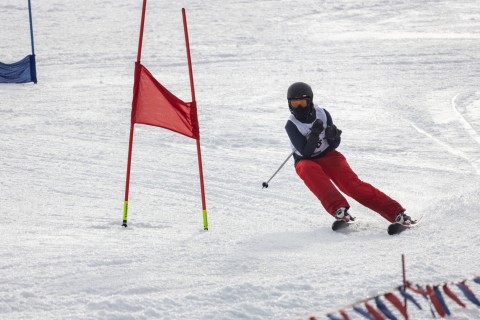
[(265, 184)]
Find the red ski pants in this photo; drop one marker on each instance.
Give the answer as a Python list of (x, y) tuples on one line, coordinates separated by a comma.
[(322, 174)]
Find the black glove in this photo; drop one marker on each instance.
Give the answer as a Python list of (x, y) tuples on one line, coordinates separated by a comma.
[(332, 132), (316, 128)]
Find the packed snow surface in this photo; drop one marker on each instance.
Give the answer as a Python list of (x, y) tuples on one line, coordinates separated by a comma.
[(400, 78)]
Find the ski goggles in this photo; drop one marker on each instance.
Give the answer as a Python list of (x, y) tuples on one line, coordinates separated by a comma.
[(295, 103)]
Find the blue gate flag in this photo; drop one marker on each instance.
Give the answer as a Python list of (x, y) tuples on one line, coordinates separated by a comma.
[(22, 71)]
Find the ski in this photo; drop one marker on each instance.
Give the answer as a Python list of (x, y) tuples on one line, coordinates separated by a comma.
[(397, 228), (340, 224)]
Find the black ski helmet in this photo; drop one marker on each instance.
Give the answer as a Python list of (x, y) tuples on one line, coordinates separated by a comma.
[(300, 90)]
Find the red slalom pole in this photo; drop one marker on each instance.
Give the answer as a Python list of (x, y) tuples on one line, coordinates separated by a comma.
[(132, 123), (127, 187), (404, 284), (140, 40), (194, 103)]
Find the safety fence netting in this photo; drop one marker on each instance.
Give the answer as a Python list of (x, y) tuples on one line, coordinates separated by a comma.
[(425, 301)]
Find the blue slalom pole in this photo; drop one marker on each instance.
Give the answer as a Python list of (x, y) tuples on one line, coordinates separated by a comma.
[(33, 67), (31, 26)]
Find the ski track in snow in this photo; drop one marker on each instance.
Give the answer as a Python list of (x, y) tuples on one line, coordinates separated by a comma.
[(457, 152), (468, 127), (399, 78)]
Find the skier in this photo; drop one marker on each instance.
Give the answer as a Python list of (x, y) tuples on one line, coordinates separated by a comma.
[(314, 139)]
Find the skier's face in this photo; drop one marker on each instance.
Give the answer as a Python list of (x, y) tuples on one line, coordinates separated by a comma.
[(296, 103), (300, 108)]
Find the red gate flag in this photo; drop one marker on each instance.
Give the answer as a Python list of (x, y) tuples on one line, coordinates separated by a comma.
[(154, 105)]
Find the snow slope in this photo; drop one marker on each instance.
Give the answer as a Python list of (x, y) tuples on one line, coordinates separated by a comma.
[(399, 77)]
